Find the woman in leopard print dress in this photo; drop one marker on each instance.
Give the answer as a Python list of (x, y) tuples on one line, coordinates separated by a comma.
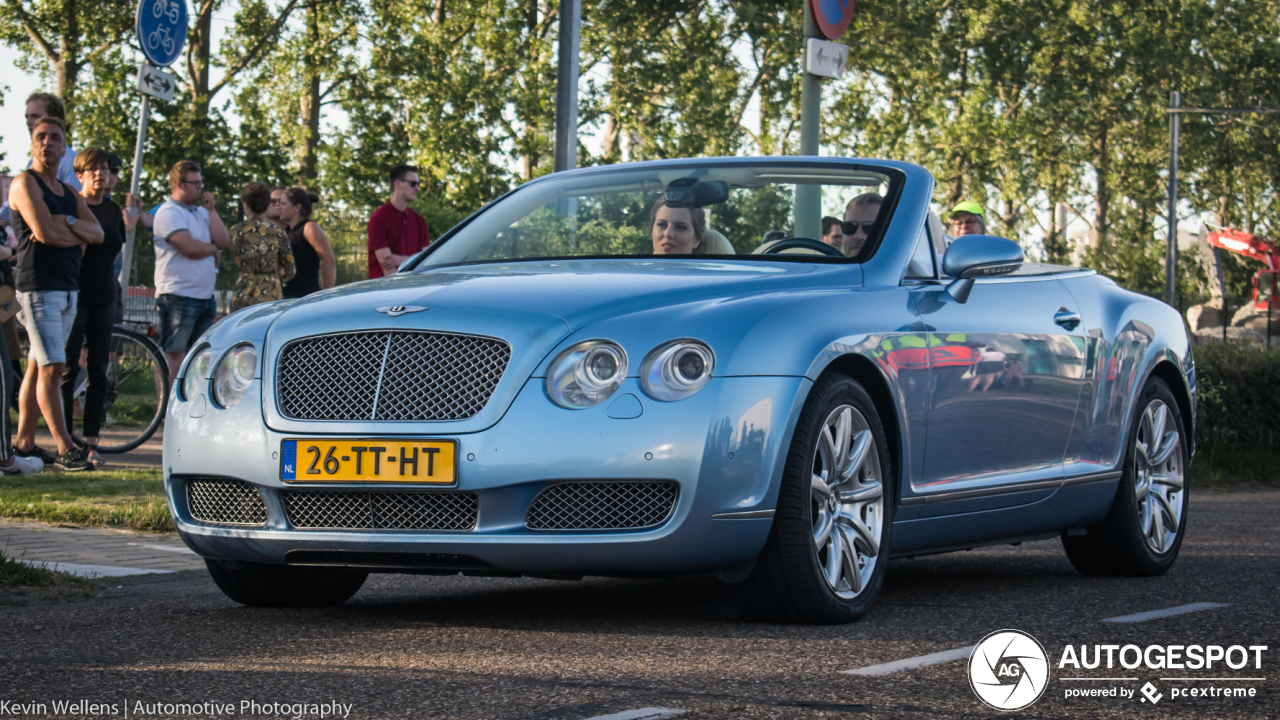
[(260, 250)]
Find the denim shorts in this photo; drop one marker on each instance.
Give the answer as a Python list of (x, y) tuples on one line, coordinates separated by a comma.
[(48, 316), (183, 320)]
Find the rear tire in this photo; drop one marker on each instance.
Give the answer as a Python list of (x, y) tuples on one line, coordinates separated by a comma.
[(1143, 531), (285, 586), (825, 559)]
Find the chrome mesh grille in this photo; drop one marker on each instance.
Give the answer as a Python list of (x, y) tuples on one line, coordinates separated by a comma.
[(225, 501), (308, 510), (389, 375), (602, 506)]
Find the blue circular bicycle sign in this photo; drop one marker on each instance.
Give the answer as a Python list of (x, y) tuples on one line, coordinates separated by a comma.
[(162, 30)]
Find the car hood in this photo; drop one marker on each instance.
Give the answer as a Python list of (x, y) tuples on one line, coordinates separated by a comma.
[(532, 306)]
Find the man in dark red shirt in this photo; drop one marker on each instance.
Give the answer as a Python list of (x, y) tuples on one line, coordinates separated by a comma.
[(396, 233)]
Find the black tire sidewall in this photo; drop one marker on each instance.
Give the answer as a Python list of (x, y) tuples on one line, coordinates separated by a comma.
[(829, 393), (1124, 517)]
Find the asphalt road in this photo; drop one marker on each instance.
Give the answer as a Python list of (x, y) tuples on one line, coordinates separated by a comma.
[(431, 647)]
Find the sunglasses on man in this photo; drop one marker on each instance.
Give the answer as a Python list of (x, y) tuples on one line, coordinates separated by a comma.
[(851, 228), (411, 183)]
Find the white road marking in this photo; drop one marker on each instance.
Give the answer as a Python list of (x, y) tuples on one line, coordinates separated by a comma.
[(649, 713), (91, 570), (1167, 612), (915, 662), (168, 548)]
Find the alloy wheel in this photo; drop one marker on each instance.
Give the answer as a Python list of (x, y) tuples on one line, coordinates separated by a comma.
[(847, 502), (1159, 480)]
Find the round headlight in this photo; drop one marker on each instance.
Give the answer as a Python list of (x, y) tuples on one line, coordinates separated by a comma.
[(234, 375), (586, 374), (676, 370), (197, 374)]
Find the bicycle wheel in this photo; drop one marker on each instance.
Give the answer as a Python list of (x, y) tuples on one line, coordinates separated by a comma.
[(137, 392)]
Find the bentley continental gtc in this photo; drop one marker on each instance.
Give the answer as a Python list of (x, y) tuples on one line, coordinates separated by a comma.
[(777, 370)]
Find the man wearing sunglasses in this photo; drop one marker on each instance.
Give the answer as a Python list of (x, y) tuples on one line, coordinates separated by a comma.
[(396, 232), (860, 221), (967, 218)]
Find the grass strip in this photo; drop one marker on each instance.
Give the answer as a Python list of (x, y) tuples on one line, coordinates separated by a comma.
[(19, 576), (1221, 465), (132, 499)]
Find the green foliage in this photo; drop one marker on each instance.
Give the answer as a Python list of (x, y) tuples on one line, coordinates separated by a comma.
[(1239, 391)]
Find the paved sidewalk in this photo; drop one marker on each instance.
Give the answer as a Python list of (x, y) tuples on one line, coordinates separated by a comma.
[(96, 551), (146, 455)]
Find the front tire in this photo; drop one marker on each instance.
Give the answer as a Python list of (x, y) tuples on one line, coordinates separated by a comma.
[(1143, 532), (825, 559), (258, 585)]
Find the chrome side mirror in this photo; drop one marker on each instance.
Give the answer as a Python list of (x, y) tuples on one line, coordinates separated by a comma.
[(975, 256)]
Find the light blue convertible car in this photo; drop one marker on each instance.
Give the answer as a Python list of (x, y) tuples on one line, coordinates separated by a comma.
[(607, 372)]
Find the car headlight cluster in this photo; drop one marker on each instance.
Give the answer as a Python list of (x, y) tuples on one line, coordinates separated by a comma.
[(676, 370), (234, 374), (587, 373), (197, 373)]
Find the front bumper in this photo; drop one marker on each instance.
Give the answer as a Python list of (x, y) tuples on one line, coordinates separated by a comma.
[(724, 448)]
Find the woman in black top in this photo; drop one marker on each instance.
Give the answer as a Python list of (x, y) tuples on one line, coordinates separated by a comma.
[(312, 254), (95, 312)]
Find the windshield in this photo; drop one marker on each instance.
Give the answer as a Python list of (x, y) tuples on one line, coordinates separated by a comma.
[(805, 211)]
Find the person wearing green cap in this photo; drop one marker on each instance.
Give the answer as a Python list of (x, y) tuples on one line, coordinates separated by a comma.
[(967, 218)]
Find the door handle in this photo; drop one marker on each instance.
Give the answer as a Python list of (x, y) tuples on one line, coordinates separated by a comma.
[(1068, 319)]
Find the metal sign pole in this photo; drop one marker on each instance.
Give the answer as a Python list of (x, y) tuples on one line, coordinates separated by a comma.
[(566, 150), (133, 190), (1171, 267), (808, 208)]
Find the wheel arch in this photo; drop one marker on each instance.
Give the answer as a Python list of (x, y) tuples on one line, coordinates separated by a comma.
[(1168, 371), (865, 372)]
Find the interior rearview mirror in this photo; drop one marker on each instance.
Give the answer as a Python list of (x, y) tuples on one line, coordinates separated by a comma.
[(692, 192)]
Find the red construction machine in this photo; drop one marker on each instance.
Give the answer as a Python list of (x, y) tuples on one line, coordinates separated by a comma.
[(1257, 248)]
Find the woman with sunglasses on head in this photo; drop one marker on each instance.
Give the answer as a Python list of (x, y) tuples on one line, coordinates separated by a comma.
[(312, 255), (96, 302), (859, 221)]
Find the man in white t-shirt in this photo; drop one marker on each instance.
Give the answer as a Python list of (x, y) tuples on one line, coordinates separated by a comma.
[(188, 236), (41, 105)]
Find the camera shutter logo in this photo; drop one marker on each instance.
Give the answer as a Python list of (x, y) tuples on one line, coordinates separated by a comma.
[(1008, 670)]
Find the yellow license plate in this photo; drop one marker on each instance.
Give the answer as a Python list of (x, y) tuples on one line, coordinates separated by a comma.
[(398, 461)]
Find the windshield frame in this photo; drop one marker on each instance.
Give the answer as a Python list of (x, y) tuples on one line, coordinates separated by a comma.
[(893, 171)]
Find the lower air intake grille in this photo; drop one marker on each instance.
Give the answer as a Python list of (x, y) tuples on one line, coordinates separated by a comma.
[(602, 506), (309, 510), (355, 558), (225, 501)]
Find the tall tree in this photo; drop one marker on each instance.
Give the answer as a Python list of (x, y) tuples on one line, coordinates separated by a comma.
[(62, 37)]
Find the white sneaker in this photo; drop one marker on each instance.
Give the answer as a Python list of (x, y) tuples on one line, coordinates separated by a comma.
[(23, 466)]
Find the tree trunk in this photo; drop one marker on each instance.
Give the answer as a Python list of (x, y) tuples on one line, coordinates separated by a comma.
[(1102, 196), (611, 133), (311, 99), (198, 50), (67, 66), (438, 15)]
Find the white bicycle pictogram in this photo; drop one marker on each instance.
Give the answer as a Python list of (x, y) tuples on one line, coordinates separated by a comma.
[(162, 8), (160, 38)]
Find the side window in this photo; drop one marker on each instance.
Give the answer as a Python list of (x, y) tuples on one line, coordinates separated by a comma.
[(921, 265)]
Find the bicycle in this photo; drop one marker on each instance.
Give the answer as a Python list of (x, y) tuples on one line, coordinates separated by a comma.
[(137, 393)]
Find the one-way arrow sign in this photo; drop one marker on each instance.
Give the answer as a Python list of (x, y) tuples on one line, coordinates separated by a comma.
[(156, 83)]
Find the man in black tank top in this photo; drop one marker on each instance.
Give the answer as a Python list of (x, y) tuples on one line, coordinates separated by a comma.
[(54, 225)]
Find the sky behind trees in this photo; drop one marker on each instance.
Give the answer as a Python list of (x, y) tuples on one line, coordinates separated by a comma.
[(1021, 105)]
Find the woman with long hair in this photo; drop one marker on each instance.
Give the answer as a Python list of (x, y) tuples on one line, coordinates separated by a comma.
[(260, 250), (312, 254)]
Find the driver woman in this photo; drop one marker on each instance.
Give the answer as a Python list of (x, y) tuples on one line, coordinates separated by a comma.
[(677, 231)]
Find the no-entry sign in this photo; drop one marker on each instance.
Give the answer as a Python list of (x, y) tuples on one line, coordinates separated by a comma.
[(831, 16)]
